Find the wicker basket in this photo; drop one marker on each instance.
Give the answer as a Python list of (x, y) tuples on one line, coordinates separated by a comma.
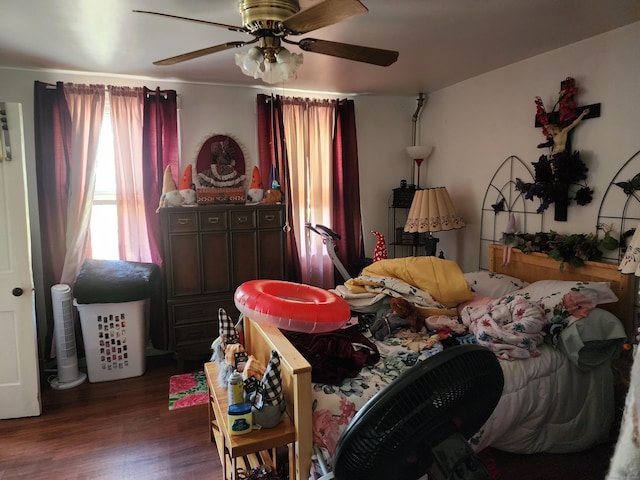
[(210, 195)]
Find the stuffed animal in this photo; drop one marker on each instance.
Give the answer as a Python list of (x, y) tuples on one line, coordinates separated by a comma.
[(171, 196), (385, 325), (402, 314), (404, 309), (272, 196)]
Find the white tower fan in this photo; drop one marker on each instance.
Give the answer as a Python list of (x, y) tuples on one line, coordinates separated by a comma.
[(66, 354)]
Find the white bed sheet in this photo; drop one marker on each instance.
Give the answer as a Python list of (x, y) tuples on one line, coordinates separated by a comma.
[(550, 405)]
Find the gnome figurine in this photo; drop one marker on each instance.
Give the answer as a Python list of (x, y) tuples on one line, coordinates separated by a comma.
[(168, 187), (256, 190), (380, 250), (268, 402)]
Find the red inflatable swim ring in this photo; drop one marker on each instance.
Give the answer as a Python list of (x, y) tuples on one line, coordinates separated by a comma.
[(292, 306)]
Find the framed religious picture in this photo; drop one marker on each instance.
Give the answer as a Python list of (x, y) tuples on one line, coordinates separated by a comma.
[(220, 167)]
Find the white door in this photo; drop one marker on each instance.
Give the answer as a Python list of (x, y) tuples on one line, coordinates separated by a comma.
[(19, 375)]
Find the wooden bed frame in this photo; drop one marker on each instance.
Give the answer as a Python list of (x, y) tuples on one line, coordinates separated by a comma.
[(296, 372)]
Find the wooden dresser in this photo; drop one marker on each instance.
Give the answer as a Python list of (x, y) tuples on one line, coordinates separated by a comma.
[(209, 251)]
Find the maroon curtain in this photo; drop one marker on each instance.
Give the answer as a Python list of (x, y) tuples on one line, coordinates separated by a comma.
[(52, 129), (347, 218), (273, 158), (159, 150)]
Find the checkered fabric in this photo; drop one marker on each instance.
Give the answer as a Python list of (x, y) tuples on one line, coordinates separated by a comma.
[(271, 384), (227, 329)]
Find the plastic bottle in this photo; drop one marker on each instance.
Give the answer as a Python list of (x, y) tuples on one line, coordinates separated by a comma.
[(235, 388), (239, 418)]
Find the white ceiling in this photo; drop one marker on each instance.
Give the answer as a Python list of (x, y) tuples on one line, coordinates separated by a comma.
[(441, 42)]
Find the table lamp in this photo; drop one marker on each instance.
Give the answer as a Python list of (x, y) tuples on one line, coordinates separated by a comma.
[(432, 211)]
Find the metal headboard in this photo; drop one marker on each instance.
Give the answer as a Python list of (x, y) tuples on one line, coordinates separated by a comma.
[(502, 198), (620, 209)]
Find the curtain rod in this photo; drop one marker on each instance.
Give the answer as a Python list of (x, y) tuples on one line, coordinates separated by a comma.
[(106, 89)]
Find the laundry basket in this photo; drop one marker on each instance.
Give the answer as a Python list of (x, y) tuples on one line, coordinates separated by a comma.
[(112, 298)]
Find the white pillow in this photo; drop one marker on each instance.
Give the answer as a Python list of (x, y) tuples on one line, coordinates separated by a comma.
[(493, 285), (595, 339), (550, 293), (597, 292)]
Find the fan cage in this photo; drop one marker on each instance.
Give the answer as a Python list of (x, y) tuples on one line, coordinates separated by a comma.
[(454, 391)]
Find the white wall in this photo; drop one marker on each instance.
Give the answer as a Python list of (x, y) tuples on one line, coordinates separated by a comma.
[(474, 125), (478, 123), (383, 123)]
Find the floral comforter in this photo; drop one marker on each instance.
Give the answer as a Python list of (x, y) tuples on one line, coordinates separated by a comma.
[(335, 405), (527, 419)]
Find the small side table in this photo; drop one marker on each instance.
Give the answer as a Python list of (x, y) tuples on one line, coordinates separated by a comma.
[(231, 448)]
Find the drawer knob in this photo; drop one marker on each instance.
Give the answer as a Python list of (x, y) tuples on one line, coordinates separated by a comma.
[(243, 219), (213, 220), (183, 221), (270, 218)]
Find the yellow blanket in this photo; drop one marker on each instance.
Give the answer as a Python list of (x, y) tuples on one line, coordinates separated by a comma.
[(443, 279)]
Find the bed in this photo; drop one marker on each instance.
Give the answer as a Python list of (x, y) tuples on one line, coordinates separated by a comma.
[(536, 424)]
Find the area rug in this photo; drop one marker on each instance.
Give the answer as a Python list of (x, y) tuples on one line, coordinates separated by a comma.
[(187, 390)]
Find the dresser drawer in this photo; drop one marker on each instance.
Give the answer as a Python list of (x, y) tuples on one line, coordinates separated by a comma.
[(211, 221), (194, 312), (270, 218), (205, 332), (183, 220), (242, 218), (198, 312)]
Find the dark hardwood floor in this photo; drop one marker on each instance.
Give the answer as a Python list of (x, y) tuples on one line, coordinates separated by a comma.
[(124, 430), (121, 429)]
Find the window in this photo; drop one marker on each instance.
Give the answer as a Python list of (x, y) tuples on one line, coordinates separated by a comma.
[(104, 217)]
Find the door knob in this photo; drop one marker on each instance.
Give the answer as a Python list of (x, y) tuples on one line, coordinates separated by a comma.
[(17, 291)]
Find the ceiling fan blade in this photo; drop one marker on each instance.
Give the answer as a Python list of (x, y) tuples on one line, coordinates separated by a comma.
[(323, 14), (200, 53), (205, 22), (375, 56)]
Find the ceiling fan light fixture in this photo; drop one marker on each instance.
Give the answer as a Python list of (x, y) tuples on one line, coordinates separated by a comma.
[(271, 65), (271, 22), (283, 56), (255, 54)]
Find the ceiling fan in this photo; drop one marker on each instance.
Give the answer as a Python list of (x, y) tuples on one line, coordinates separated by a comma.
[(272, 22)]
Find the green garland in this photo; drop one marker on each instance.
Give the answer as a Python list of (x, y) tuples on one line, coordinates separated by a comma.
[(574, 249)]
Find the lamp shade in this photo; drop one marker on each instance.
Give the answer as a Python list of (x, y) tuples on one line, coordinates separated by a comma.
[(630, 262), (432, 211), (419, 152)]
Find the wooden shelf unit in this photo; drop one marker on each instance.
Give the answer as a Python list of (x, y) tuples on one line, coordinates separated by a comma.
[(251, 449)]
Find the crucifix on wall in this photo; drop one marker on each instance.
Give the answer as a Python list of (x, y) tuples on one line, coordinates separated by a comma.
[(560, 176), (557, 125)]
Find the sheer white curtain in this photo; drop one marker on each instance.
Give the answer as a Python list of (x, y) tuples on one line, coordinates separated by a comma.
[(309, 126), (127, 106), (86, 108)]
